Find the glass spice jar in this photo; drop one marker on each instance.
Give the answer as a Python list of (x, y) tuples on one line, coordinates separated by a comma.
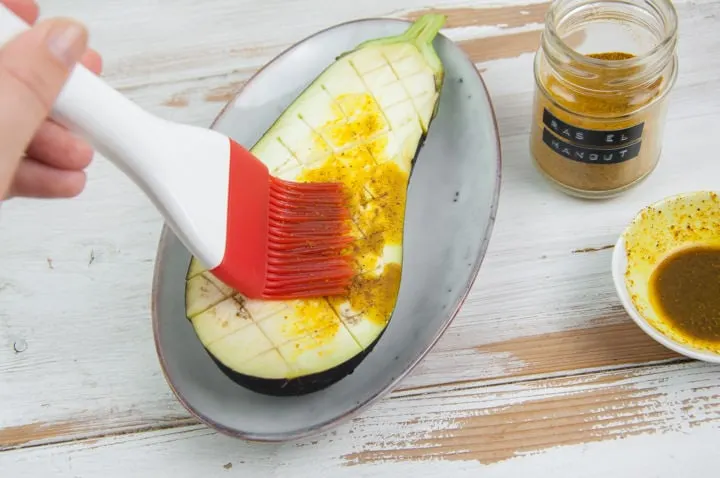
[(602, 73)]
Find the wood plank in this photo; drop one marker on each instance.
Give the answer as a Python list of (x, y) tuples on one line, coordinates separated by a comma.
[(656, 422), (168, 40), (504, 16), (170, 51), (76, 353)]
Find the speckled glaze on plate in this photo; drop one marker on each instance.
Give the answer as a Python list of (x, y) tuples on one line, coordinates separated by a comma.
[(452, 201)]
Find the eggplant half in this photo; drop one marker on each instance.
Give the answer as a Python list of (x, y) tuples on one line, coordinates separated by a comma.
[(361, 121)]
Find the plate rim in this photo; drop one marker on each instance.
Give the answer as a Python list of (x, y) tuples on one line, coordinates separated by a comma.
[(356, 409)]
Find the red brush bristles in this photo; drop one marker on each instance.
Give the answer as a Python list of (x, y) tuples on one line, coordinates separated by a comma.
[(308, 231), (284, 239)]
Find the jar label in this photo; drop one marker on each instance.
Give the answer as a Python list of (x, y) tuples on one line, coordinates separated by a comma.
[(589, 137), (591, 155)]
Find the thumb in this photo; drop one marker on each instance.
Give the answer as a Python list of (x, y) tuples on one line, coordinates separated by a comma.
[(33, 69)]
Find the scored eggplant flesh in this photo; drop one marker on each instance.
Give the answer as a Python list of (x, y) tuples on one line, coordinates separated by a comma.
[(362, 122)]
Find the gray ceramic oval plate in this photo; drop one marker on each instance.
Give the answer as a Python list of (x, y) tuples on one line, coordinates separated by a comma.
[(451, 205)]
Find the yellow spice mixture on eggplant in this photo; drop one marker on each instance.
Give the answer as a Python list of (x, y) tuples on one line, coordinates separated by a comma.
[(361, 122)]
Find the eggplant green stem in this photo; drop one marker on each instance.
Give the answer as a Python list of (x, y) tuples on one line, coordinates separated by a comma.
[(421, 33), (425, 29)]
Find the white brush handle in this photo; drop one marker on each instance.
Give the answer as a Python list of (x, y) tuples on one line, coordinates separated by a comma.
[(182, 169)]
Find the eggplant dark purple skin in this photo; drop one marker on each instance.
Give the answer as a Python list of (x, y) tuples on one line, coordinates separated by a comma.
[(303, 385)]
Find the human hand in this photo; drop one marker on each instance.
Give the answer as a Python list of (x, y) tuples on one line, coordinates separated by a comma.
[(38, 157)]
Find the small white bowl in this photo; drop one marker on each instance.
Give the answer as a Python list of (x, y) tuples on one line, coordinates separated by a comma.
[(656, 231)]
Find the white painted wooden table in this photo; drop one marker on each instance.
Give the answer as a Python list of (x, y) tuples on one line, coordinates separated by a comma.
[(542, 373)]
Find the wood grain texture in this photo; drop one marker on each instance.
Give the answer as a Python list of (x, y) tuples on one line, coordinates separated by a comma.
[(540, 336), (657, 422), (510, 16)]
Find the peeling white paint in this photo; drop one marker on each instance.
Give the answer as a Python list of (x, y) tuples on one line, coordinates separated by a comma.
[(89, 343)]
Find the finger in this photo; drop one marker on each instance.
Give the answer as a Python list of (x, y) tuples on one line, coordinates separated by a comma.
[(33, 69), (55, 146), (25, 9), (92, 61), (37, 180)]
